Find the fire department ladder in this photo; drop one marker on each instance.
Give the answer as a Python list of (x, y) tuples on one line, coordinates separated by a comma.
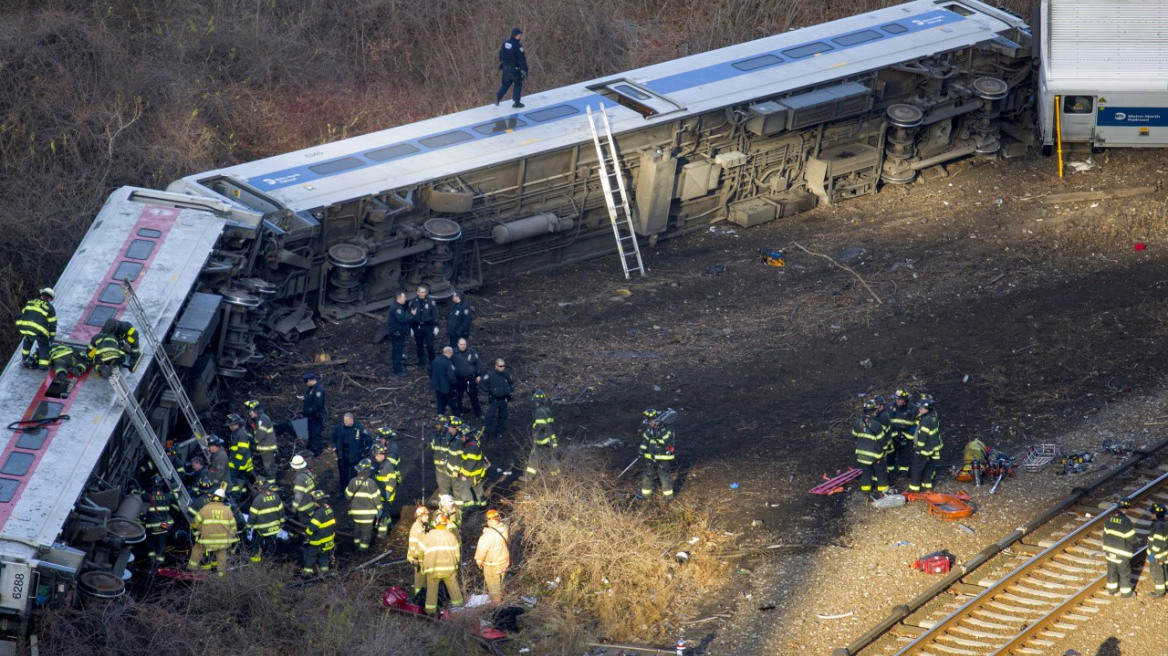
[(146, 327), (618, 198), (150, 439)]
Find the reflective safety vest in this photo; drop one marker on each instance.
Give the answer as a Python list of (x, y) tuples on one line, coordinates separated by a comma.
[(302, 486), (241, 451), (386, 475), (543, 430), (264, 433), (215, 524), (37, 319), (454, 458), (440, 445), (364, 499), (868, 433), (417, 549), (492, 548), (266, 514), (928, 436), (322, 528), (472, 465), (1119, 538), (156, 513), (441, 553), (657, 443), (105, 349), (1158, 538)]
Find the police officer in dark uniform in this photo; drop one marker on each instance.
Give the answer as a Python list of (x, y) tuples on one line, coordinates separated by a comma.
[(499, 387), (468, 367), (352, 443), (399, 327), (513, 64), (313, 411), (444, 382), (459, 318), (424, 324)]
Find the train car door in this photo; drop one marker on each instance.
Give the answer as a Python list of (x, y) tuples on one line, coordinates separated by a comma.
[(1078, 115)]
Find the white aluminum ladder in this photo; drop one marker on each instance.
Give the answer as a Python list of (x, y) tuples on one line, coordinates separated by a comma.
[(617, 199), (146, 328), (150, 440)]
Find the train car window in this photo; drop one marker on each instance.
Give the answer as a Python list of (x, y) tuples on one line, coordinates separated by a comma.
[(960, 10), (33, 439), (755, 63), (552, 113), (445, 139), (391, 152), (856, 38), (127, 270), (140, 249), (630, 91), (17, 463), (113, 294), (807, 50), (336, 166), (47, 410), (894, 28), (505, 124), (100, 315), (1078, 104), (8, 488), (149, 233)]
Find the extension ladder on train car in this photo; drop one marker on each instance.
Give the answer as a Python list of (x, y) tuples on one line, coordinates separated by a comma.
[(146, 327), (150, 440), (618, 198)]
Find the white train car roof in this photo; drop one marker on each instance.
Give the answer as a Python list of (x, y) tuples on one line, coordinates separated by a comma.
[(1105, 45), (439, 147), (43, 472)]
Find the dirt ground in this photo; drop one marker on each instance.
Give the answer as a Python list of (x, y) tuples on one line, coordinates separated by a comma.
[(1029, 321)]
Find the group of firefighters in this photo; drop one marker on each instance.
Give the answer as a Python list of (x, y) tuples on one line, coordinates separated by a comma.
[(902, 437), (116, 345), (234, 487), (1120, 545)]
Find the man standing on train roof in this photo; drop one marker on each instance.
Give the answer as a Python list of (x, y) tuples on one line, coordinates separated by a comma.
[(37, 323), (513, 64)]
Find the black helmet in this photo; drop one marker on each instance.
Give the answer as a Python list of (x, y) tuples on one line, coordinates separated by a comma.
[(1158, 509), (878, 399), (365, 466), (453, 421), (252, 404), (1125, 503), (214, 440), (386, 433), (652, 413), (318, 495), (539, 396), (157, 481), (902, 394), (926, 401), (379, 450), (870, 404), (233, 418)]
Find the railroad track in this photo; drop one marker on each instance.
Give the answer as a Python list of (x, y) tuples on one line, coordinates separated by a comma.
[(1049, 588)]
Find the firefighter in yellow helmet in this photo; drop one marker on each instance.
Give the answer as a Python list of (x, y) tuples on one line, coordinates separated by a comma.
[(493, 554), (216, 529), (440, 561)]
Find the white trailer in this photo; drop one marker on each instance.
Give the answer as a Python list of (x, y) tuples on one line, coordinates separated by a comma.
[(1104, 78)]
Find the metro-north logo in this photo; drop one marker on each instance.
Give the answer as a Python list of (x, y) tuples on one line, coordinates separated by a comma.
[(1120, 116)]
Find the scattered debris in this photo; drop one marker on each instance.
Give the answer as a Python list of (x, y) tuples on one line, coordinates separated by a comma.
[(901, 543), (835, 617), (723, 230), (938, 562), (866, 363), (623, 293), (717, 269), (734, 486), (773, 258), (836, 483), (1119, 448), (948, 506), (1102, 194), (1039, 457), (889, 501), (852, 253), (966, 529)]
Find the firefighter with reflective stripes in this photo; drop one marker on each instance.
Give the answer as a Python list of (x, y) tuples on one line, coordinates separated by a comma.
[(904, 423), (303, 484), (68, 361), (927, 445), (266, 519), (1158, 550), (263, 433), (157, 518), (386, 476), (216, 529), (127, 337), (320, 536), (385, 437), (441, 554), (106, 354), (493, 554), (869, 436), (364, 496), (453, 514), (543, 437), (240, 461), (446, 429), (37, 324), (657, 456), (1119, 546), (472, 470), (417, 549)]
